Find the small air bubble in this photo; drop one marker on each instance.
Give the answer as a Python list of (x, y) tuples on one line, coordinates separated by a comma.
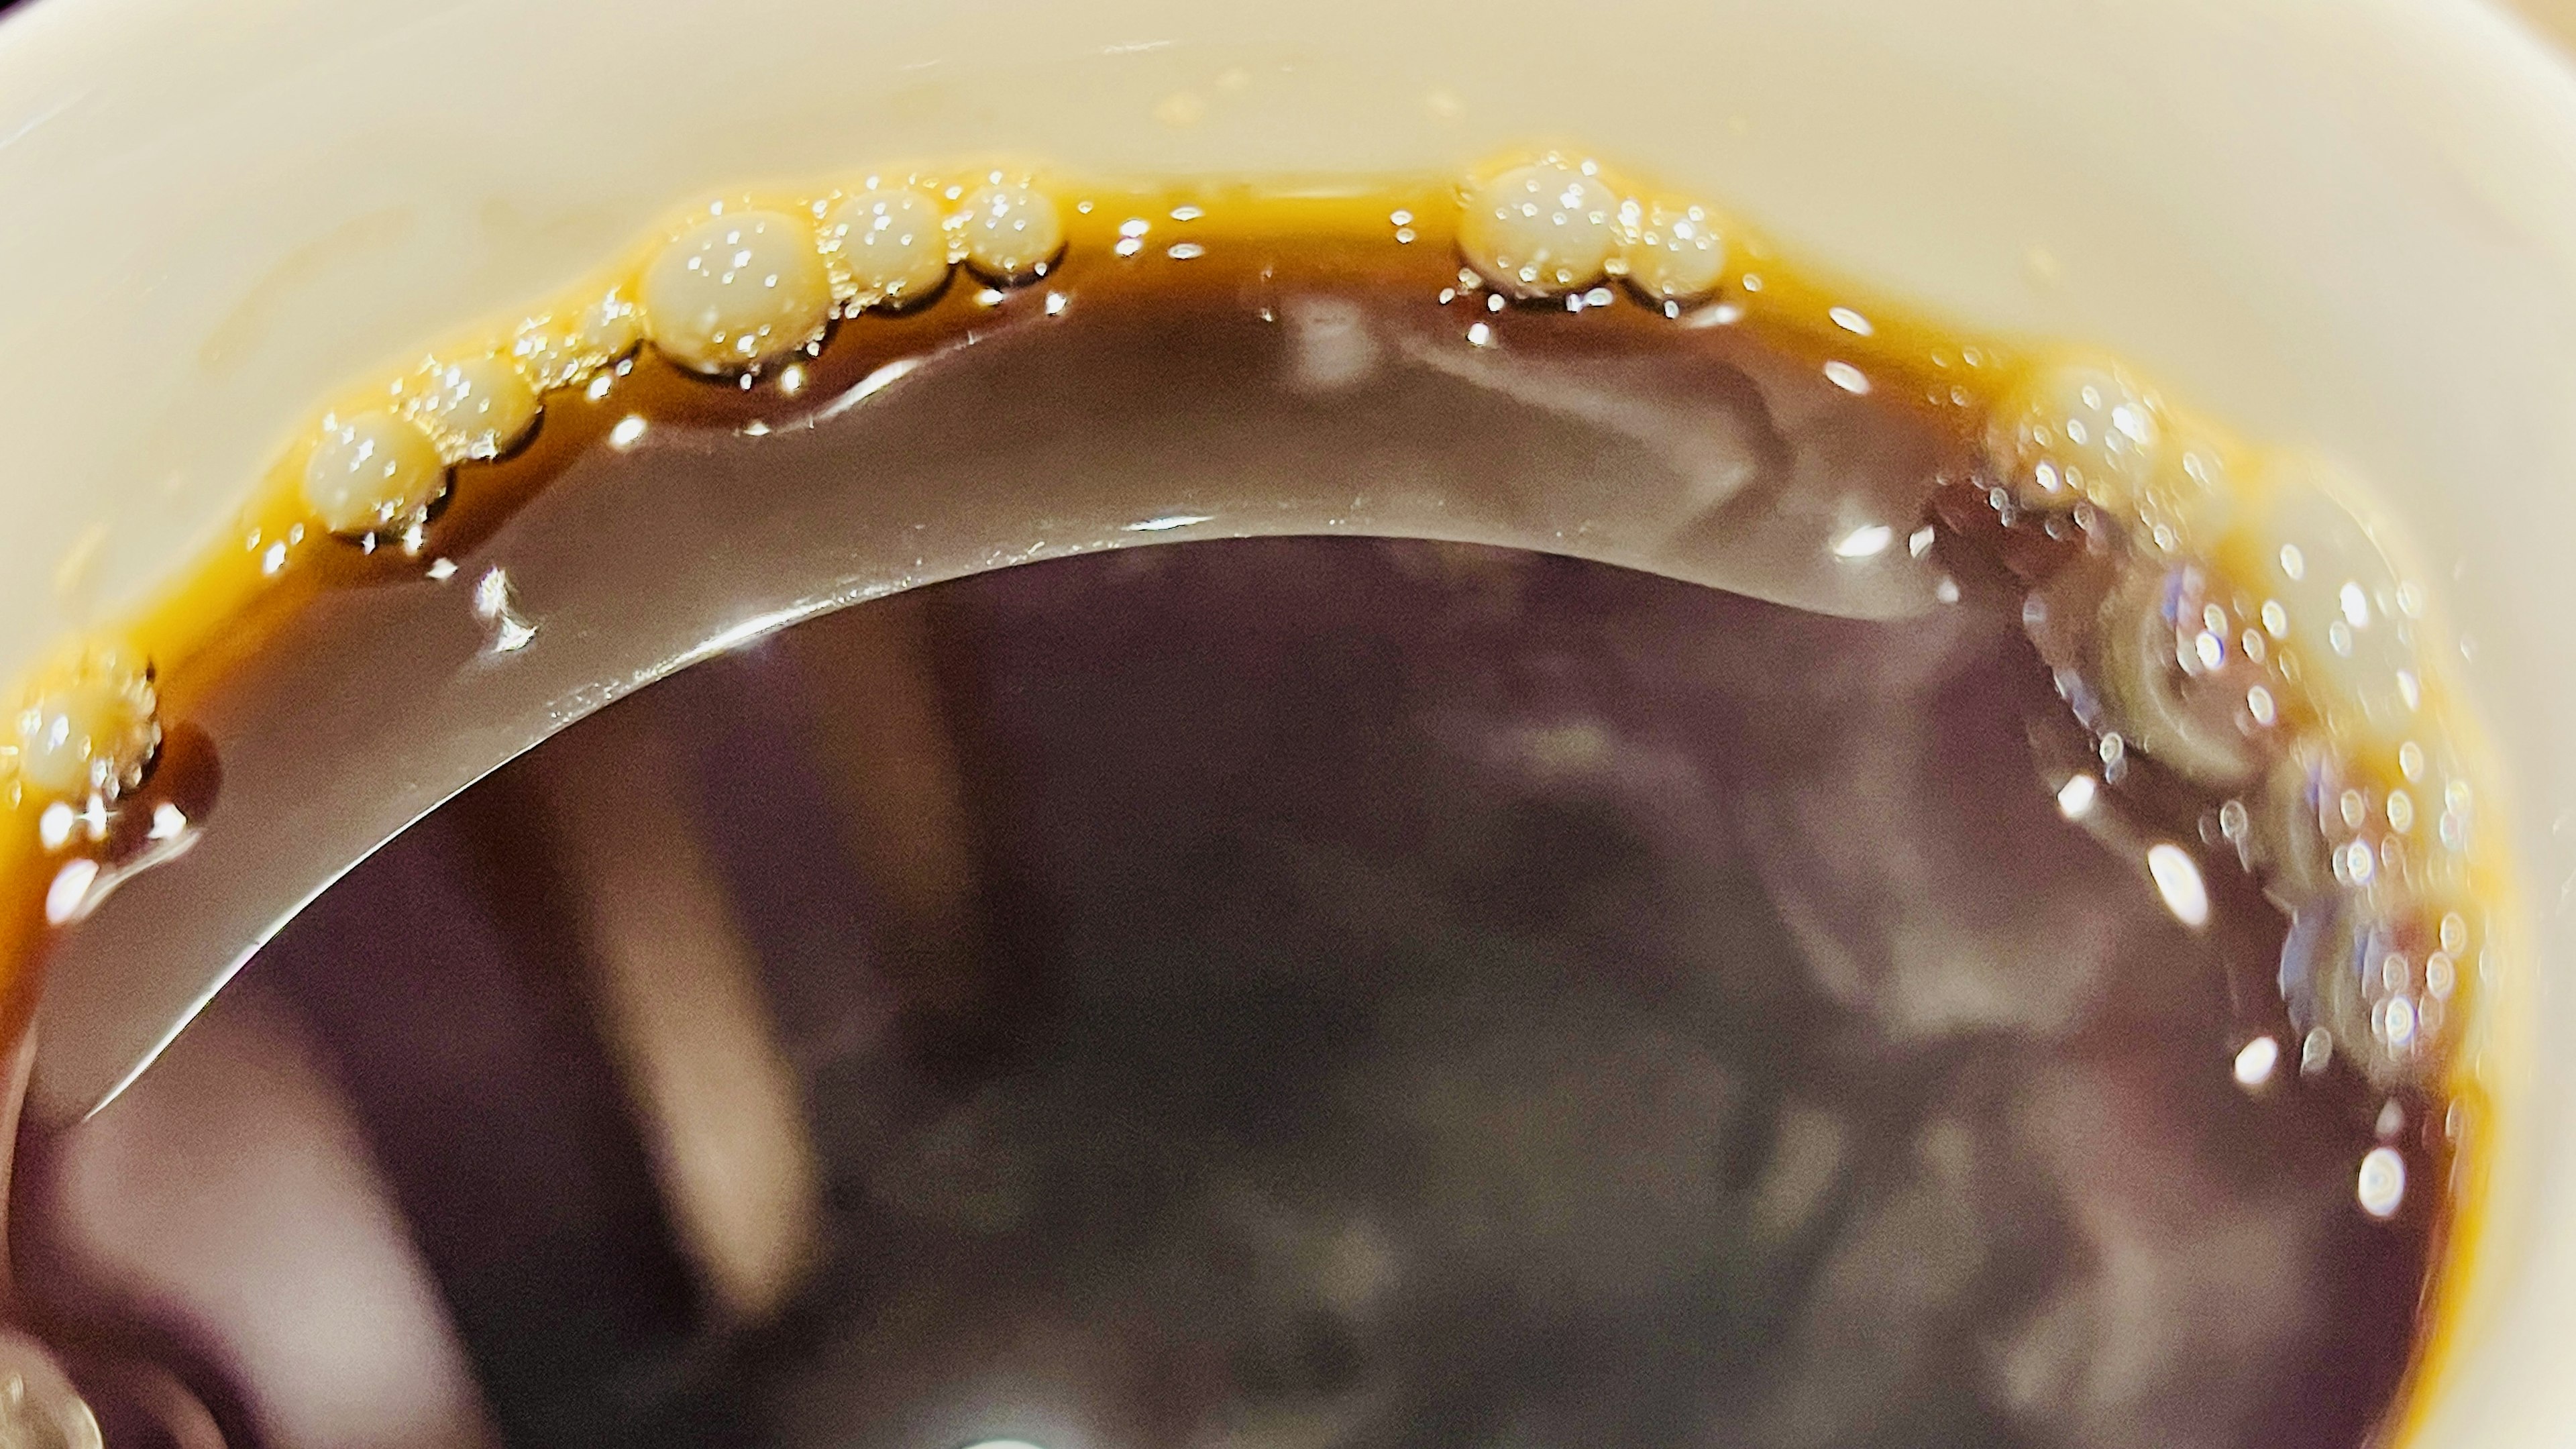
[(68, 898), (1919, 542), (1867, 541), (2316, 1050), (1847, 377), (2233, 820), (1480, 335), (629, 430), (2293, 563), (2075, 798), (2381, 1186), (2255, 1064), (2178, 880), (1185, 251), (2259, 706), (1851, 321)]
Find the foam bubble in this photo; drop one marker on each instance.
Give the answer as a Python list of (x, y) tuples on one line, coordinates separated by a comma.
[(561, 349), (890, 244), (2338, 601), (2381, 1184), (1540, 229), (90, 730), (1673, 252), (372, 472), (1010, 231), (473, 407), (736, 290), (2076, 432)]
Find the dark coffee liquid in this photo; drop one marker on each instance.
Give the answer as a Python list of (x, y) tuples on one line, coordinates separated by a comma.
[(1288, 992)]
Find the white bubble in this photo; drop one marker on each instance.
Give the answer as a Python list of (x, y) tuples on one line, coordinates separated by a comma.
[(473, 407), (1537, 230), (1867, 541), (2336, 596), (558, 350), (90, 730), (1847, 377), (891, 244), (2381, 1185), (736, 290), (2316, 1049), (2075, 798), (2254, 1064), (1672, 253), (2077, 432), (372, 472), (1010, 232), (70, 897), (2178, 880)]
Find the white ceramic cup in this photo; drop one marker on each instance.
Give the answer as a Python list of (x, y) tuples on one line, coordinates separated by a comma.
[(2346, 224)]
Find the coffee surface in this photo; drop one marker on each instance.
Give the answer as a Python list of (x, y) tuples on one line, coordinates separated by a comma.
[(1833, 951), (1399, 994)]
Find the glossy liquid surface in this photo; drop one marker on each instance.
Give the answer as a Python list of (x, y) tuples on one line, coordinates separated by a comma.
[(1291, 992), (1324, 993)]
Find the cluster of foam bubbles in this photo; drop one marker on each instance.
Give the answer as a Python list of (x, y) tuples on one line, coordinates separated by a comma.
[(1556, 227), (733, 290), (2241, 626), (2233, 620), (2236, 621)]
